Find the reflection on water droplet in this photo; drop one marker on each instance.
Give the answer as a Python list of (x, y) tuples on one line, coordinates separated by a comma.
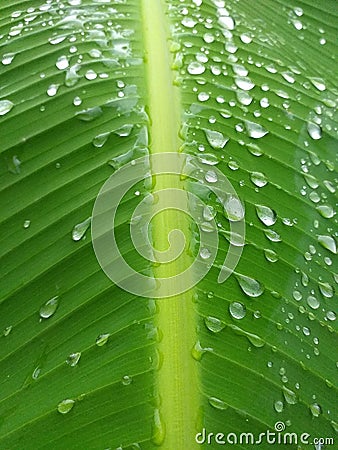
[(49, 308), (65, 406), (266, 215), (217, 403), (102, 339), (250, 286), (73, 359), (213, 324), (5, 106), (237, 310), (80, 229)]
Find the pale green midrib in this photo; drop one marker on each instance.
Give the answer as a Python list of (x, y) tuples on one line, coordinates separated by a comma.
[(177, 381)]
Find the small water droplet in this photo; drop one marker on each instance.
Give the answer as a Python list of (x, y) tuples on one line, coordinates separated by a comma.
[(80, 229), (7, 330), (213, 324), (266, 215), (198, 351), (73, 359), (7, 58), (5, 106), (126, 380), (255, 340), (315, 409), (205, 253), (49, 308), (217, 403), (66, 405), (237, 310), (279, 406), (258, 179), (102, 339), (158, 428), (100, 139)]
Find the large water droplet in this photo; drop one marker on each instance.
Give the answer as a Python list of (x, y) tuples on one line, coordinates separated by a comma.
[(62, 62), (244, 83), (326, 211), (5, 106), (7, 58), (289, 395), (196, 68), (328, 242), (213, 324), (318, 83), (326, 289), (237, 310), (250, 286), (66, 405), (255, 130), (80, 229), (258, 179), (314, 130), (233, 208), (215, 138), (266, 215), (100, 139), (313, 302), (49, 308), (272, 235), (270, 255)]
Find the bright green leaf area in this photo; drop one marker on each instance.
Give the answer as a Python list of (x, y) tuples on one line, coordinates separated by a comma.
[(248, 88)]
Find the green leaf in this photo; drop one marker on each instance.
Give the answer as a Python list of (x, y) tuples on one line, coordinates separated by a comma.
[(168, 130)]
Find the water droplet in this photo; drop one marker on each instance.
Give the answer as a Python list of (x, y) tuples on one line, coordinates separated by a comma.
[(209, 213), (258, 179), (102, 339), (270, 255), (289, 395), (90, 75), (215, 139), (328, 242), (7, 330), (89, 114), (246, 38), (205, 253), (213, 324), (198, 351), (5, 106), (266, 215), (264, 102), (250, 286), (211, 176), (237, 310), (233, 208), (255, 340), (65, 406), (26, 224), (318, 83), (255, 130), (52, 90), (331, 315), (203, 96), (209, 159), (217, 403), (126, 380), (62, 62), (315, 409), (326, 211), (73, 359), (244, 83), (80, 229), (272, 235), (71, 76), (195, 68), (326, 289), (49, 308), (125, 130), (240, 70), (314, 130), (158, 428), (233, 165), (244, 98), (36, 373), (7, 58), (279, 406), (313, 302), (288, 76), (100, 139)]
